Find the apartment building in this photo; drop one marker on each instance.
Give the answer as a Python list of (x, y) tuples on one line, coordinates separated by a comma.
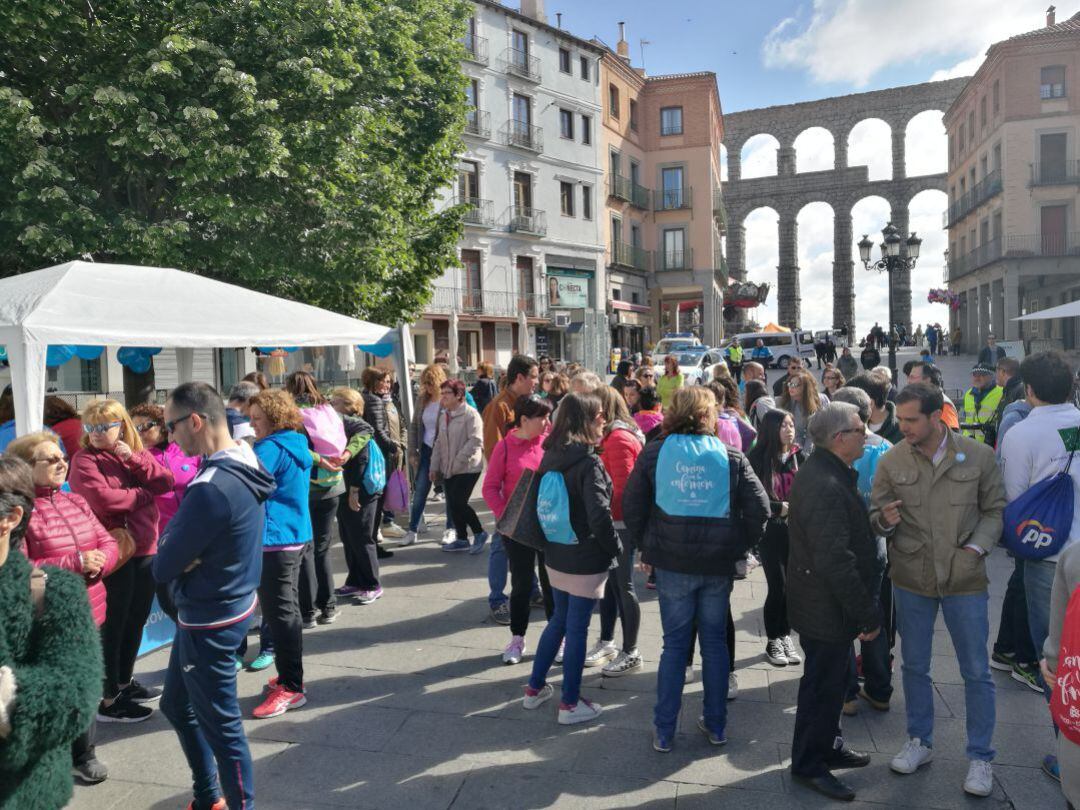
[(664, 210), (532, 275), (1014, 188)]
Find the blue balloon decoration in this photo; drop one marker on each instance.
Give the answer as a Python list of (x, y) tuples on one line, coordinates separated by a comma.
[(136, 358), (88, 352), (58, 355), (377, 349)]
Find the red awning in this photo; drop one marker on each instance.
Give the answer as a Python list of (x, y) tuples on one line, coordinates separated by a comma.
[(686, 306)]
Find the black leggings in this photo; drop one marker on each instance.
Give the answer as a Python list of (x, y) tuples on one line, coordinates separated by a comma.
[(730, 639), (523, 561), (774, 557), (620, 598), (129, 595), (316, 575), (358, 535), (281, 611), (458, 490)]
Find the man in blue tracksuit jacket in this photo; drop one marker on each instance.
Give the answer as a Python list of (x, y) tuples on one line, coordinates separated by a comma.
[(211, 558)]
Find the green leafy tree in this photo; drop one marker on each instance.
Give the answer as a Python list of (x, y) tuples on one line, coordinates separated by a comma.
[(296, 147)]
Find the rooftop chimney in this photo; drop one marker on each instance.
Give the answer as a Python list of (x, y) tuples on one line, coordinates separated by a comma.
[(534, 9), (1050, 16), (622, 48), (558, 19)]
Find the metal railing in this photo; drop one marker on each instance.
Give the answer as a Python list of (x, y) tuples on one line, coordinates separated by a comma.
[(478, 212), (1055, 173), (1024, 246), (672, 199), (626, 189), (982, 191), (476, 48), (521, 219), (623, 254), (719, 209), (676, 259), (523, 135), (478, 123), (521, 64), (498, 303)]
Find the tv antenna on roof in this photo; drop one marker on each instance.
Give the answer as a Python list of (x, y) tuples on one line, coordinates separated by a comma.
[(641, 44)]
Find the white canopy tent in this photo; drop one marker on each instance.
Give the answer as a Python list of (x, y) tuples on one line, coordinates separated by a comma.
[(84, 303), (1070, 310)]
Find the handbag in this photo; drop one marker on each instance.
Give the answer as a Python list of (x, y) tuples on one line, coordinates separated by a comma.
[(1065, 700), (325, 429), (519, 520), (397, 492), (1036, 524), (125, 546)]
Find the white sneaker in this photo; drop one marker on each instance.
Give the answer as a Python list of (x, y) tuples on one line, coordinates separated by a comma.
[(582, 712), (790, 652), (449, 536), (392, 530), (422, 526), (732, 686), (408, 539), (774, 652), (539, 699), (913, 756), (602, 652), (514, 651), (980, 778), (689, 677), (624, 662)]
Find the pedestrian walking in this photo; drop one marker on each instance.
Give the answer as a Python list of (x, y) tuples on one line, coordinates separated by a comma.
[(457, 460)]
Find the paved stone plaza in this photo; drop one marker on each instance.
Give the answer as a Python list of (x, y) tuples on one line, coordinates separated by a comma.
[(411, 707)]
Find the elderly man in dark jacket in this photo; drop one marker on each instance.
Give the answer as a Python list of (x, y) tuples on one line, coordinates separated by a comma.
[(833, 578)]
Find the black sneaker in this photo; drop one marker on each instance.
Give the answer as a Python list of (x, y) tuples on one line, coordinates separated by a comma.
[(137, 693), (328, 616), (123, 711), (308, 622), (91, 771), (1003, 662), (382, 554)]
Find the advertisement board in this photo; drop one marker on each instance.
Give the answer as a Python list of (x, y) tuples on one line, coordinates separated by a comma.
[(568, 289)]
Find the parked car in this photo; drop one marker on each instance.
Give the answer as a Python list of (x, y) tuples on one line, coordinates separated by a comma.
[(783, 345)]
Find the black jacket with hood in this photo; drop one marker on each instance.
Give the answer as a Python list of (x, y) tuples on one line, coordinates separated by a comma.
[(356, 466), (890, 428), (589, 489)]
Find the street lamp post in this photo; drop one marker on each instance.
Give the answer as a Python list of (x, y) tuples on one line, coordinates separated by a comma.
[(890, 262)]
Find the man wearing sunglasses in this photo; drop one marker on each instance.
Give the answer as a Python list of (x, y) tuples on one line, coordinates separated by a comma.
[(211, 558)]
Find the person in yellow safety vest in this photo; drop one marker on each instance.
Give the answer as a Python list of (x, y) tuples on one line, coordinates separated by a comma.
[(734, 354), (980, 403)]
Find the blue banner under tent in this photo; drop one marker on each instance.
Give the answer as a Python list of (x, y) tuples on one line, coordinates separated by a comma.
[(158, 630)]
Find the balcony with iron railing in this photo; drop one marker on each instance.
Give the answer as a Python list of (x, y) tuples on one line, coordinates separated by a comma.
[(476, 49), (523, 136), (478, 212), (982, 191), (1026, 246), (495, 303), (478, 123), (719, 210), (673, 199), (1055, 173), (676, 259), (624, 188), (530, 221), (623, 254), (521, 64)]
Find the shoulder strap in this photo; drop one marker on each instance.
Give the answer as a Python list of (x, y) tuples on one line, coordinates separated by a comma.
[(38, 578)]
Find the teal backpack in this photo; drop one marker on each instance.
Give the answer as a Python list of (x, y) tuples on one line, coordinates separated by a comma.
[(692, 477), (374, 480), (553, 510)]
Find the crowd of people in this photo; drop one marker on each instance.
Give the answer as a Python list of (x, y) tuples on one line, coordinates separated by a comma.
[(870, 510)]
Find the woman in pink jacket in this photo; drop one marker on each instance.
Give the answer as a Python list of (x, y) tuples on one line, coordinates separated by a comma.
[(149, 421), (519, 450), (121, 481), (64, 532)]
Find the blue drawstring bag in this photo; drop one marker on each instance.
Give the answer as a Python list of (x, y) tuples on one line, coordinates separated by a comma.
[(374, 480), (1038, 523), (692, 477), (553, 510)]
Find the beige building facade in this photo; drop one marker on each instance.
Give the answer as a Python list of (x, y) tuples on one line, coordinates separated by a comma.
[(1014, 188)]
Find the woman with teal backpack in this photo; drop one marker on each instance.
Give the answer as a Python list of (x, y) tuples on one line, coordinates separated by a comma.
[(574, 511)]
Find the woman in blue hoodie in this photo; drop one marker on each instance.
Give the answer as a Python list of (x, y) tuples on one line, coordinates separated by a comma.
[(283, 451)]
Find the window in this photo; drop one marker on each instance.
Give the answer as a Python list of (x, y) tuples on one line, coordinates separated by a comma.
[(671, 121), (674, 243), (1052, 82), (471, 275), (997, 96), (566, 198), (997, 156), (616, 231), (984, 166), (564, 60), (586, 202), (585, 69), (586, 129), (526, 286), (472, 115), (613, 100), (971, 125), (523, 191), (982, 112), (633, 115), (635, 235), (1052, 157), (566, 124), (469, 181), (519, 41), (635, 298), (615, 163), (961, 138), (635, 173), (616, 294), (672, 183)]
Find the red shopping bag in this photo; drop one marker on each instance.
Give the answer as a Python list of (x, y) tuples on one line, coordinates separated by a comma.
[(1065, 702)]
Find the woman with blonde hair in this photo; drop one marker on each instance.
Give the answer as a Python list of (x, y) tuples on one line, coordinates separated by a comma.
[(800, 398), (422, 431), (121, 482)]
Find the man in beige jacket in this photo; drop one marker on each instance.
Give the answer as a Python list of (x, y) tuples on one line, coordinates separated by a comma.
[(938, 498)]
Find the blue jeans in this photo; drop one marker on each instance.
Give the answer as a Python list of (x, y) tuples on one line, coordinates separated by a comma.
[(570, 619), (684, 600), (1038, 582), (421, 490), (498, 571), (968, 622), (200, 703)]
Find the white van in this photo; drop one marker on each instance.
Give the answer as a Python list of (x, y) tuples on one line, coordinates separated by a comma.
[(783, 345)]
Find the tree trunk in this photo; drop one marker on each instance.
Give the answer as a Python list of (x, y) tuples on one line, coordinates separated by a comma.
[(138, 388)]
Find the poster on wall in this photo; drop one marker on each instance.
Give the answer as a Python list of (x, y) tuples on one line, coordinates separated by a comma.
[(568, 289)]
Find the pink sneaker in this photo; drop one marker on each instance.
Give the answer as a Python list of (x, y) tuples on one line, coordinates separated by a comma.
[(514, 651), (279, 701), (367, 597)]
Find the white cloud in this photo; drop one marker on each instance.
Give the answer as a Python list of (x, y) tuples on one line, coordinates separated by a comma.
[(965, 67), (870, 145), (759, 156), (851, 41), (814, 150), (925, 145)]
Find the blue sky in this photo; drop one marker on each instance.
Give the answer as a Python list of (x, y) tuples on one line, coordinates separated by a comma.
[(784, 51)]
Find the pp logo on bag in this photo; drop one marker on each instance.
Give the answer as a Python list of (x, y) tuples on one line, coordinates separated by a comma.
[(1034, 534)]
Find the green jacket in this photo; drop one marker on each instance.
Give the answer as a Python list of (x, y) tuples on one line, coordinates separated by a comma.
[(57, 663)]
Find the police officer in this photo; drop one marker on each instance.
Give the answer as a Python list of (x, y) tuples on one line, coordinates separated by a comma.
[(980, 403)]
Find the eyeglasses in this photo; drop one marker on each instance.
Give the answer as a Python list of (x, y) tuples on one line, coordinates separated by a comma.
[(145, 426), (105, 427), (52, 461), (852, 430), (170, 426), (794, 383)]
